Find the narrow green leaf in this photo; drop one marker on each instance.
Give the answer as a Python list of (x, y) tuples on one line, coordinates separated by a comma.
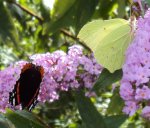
[(30, 116), (23, 121), (83, 15), (61, 7), (109, 40), (70, 13), (121, 8), (5, 123), (115, 121), (61, 16), (106, 7), (7, 28), (106, 78), (90, 116)]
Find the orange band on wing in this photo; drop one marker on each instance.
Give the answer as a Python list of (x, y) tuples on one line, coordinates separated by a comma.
[(29, 65), (42, 71), (26, 66)]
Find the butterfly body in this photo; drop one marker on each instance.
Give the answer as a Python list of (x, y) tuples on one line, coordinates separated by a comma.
[(27, 88)]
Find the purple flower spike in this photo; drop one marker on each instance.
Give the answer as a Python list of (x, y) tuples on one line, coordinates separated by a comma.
[(135, 83), (62, 72)]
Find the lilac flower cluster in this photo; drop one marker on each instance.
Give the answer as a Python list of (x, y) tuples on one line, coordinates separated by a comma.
[(135, 84), (8, 78), (61, 72)]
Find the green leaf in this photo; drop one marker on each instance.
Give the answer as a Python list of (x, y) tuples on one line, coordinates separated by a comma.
[(72, 15), (61, 16), (30, 116), (106, 7), (109, 40), (61, 7), (4, 123), (23, 119), (116, 104), (115, 121), (148, 1), (82, 125), (90, 116), (106, 78), (121, 8), (83, 15), (7, 28)]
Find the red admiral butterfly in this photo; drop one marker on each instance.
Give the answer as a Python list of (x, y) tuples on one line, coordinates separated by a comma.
[(27, 88)]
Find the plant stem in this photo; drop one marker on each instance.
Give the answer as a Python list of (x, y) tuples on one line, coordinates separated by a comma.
[(65, 32), (29, 12)]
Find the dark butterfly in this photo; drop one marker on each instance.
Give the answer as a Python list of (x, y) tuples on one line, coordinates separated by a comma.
[(27, 88)]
